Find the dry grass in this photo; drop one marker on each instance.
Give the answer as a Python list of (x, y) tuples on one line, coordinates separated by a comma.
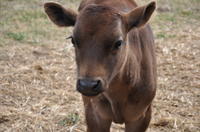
[(37, 70)]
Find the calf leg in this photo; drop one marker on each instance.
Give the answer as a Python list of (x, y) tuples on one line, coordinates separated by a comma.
[(95, 123), (139, 125)]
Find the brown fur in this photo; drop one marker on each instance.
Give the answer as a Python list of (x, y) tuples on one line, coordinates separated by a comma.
[(128, 74)]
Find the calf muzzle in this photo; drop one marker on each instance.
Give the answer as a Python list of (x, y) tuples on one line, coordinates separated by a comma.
[(89, 87)]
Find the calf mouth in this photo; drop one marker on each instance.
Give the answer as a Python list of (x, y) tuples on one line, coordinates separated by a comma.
[(87, 92), (90, 94)]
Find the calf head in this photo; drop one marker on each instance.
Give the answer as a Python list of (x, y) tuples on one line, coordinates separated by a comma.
[(99, 38)]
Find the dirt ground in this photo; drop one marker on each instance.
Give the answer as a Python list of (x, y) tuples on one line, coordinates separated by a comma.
[(38, 72)]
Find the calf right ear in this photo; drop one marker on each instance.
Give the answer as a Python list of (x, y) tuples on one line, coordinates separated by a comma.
[(59, 15)]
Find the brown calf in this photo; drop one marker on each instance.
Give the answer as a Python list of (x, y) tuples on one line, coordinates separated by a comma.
[(115, 59)]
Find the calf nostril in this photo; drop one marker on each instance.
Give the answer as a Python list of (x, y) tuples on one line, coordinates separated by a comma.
[(82, 83), (97, 85)]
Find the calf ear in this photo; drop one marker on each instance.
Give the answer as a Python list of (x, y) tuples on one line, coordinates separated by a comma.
[(59, 15), (139, 16)]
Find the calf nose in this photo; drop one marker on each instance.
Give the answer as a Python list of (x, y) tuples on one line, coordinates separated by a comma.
[(89, 87), (89, 84)]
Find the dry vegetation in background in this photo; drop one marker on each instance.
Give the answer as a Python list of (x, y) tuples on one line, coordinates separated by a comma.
[(37, 69)]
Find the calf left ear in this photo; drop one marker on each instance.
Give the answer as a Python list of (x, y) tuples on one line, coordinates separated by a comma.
[(139, 16), (60, 15)]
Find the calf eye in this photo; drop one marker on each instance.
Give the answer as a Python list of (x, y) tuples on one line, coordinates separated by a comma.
[(118, 44)]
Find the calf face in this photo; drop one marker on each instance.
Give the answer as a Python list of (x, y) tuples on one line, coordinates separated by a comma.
[(99, 38)]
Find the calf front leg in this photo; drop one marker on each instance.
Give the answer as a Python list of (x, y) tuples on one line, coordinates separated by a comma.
[(95, 123), (139, 125)]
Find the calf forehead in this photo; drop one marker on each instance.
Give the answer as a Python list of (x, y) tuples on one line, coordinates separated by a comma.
[(95, 11), (96, 19)]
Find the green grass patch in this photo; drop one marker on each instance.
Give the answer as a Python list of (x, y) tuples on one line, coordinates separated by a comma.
[(24, 21), (186, 13), (190, 14), (166, 17), (30, 15), (16, 36), (162, 35), (70, 120)]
